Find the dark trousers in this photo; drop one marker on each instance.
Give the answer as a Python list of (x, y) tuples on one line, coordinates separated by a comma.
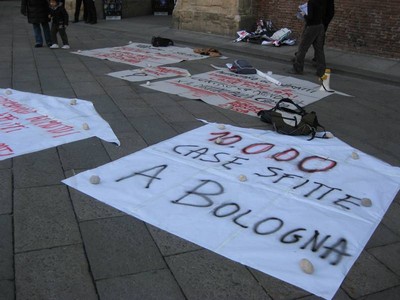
[(78, 4), (91, 11), (312, 35), (63, 34)]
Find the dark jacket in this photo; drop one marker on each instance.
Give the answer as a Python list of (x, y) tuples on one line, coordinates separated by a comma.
[(316, 10), (329, 13), (59, 15), (37, 11)]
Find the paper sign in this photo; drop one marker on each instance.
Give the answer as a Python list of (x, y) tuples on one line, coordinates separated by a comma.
[(262, 199), (32, 122), (143, 55)]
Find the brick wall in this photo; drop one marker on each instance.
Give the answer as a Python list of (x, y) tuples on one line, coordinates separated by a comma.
[(363, 26)]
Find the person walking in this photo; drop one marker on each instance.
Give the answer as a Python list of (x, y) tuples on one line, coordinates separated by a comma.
[(313, 34), (59, 18), (326, 19), (37, 12)]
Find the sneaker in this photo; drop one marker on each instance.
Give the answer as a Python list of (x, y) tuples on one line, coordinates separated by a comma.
[(54, 46), (38, 45), (65, 47)]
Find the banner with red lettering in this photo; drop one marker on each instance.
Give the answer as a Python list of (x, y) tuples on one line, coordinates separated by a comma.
[(246, 94), (299, 210), (143, 55), (32, 122)]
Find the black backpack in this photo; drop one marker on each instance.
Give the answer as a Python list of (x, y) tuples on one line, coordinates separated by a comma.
[(157, 41), (289, 118)]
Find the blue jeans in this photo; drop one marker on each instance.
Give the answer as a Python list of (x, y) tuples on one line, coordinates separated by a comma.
[(38, 33)]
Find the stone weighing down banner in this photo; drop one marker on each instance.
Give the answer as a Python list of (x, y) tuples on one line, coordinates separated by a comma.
[(246, 94), (262, 199), (143, 55), (32, 122)]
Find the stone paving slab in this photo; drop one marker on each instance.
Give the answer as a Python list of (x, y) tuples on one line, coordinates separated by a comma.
[(367, 276), (119, 246), (84, 154), (154, 285), (170, 244), (88, 208), (385, 254), (7, 290), (37, 169), (5, 191), (60, 273), (6, 248), (205, 275), (44, 218)]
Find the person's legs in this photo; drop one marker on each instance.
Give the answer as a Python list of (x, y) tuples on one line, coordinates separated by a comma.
[(78, 4), (314, 59), (307, 39), (38, 35), (47, 34), (92, 15), (318, 45), (54, 30), (63, 35)]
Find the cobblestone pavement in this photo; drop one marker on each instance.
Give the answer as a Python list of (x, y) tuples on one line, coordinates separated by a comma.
[(57, 243)]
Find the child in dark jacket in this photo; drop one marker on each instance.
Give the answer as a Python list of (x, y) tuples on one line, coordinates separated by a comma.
[(59, 23)]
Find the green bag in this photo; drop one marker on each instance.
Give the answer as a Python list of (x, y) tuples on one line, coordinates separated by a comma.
[(289, 118)]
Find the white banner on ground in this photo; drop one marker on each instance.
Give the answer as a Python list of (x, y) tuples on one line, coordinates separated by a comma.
[(246, 94), (143, 55), (265, 200), (32, 122), (149, 73)]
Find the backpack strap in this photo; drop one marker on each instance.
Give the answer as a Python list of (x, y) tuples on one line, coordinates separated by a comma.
[(299, 110)]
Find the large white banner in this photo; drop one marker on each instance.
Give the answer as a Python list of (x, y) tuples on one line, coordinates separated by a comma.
[(32, 122), (143, 55), (299, 210), (246, 94)]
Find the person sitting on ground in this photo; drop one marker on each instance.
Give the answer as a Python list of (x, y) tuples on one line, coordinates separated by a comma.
[(37, 13), (59, 18)]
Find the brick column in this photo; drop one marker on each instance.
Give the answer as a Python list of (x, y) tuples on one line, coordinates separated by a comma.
[(224, 17)]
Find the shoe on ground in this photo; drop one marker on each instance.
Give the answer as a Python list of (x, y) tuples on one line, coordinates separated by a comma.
[(38, 45), (54, 46), (75, 21), (65, 47)]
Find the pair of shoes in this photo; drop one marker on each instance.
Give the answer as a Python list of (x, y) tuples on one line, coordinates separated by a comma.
[(38, 45), (54, 46), (93, 22), (65, 47), (75, 21)]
